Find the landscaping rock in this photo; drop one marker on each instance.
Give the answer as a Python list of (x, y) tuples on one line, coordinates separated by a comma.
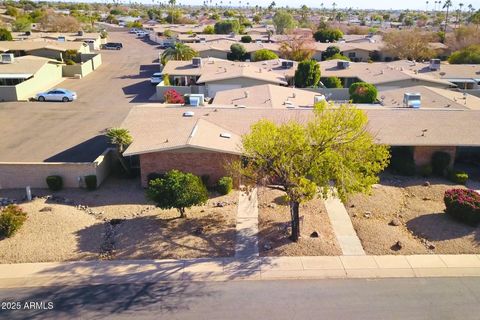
[(267, 246), (367, 214), (198, 231), (426, 184), (314, 234), (395, 222), (271, 205), (426, 199), (220, 204), (397, 246), (46, 209), (352, 206)]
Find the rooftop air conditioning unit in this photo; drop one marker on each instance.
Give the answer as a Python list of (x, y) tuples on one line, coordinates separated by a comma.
[(197, 62), (412, 100), (61, 39), (318, 98), (343, 64), (6, 58), (434, 64), (287, 64)]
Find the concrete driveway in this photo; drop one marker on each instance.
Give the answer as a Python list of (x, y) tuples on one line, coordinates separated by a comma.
[(73, 132)]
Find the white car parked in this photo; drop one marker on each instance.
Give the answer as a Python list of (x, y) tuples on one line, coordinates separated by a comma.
[(141, 33), (57, 95), (156, 78)]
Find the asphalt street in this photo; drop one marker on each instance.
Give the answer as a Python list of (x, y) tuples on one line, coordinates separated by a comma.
[(428, 298)]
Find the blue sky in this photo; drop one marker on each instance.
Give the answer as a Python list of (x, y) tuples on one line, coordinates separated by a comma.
[(404, 4)]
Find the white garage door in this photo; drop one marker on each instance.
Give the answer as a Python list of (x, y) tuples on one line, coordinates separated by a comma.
[(214, 88)]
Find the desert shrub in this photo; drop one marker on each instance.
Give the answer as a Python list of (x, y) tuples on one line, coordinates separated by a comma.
[(154, 175), (463, 205), (328, 35), (264, 54), (402, 161), (440, 163), (91, 182), (54, 183), (459, 177), (246, 39), (11, 219), (332, 82), (425, 171), (362, 92), (172, 96), (177, 190), (225, 185)]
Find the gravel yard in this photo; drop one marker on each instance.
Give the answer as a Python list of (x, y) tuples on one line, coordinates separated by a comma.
[(274, 227), (117, 222), (404, 209)]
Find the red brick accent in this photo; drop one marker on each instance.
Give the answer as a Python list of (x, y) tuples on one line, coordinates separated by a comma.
[(198, 163), (423, 155)]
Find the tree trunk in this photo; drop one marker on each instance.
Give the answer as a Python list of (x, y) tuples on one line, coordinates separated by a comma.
[(295, 217), (120, 158), (182, 212)]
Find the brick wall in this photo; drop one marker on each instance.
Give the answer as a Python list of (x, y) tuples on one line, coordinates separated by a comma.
[(198, 163), (423, 155)]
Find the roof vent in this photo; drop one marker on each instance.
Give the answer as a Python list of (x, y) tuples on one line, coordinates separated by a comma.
[(188, 114), (225, 135), (289, 105)]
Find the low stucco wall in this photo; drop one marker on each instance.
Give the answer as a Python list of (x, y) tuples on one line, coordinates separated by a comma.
[(33, 174), (8, 93), (89, 63)]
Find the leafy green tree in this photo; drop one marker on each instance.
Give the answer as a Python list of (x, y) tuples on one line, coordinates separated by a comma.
[(332, 82), (227, 27), (307, 74), (330, 51), (11, 11), (362, 92), (21, 24), (264, 54), (179, 52), (246, 39), (283, 21), (208, 30), (475, 19), (328, 35), (338, 56), (468, 55), (177, 190), (237, 53), (5, 35), (304, 159)]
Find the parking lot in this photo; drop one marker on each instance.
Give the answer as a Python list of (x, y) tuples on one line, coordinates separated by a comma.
[(73, 132)]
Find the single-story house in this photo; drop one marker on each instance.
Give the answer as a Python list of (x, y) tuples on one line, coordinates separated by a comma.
[(43, 48), (203, 141), (211, 75), (25, 76), (92, 38)]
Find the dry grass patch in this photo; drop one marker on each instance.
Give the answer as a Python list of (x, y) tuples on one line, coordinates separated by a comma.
[(418, 209), (62, 234), (274, 227)]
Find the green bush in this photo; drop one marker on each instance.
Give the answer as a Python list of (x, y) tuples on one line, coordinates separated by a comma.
[(426, 170), (468, 55), (11, 219), (154, 175), (332, 82), (459, 177), (402, 161), (54, 183), (225, 185), (91, 182), (246, 39), (362, 92), (440, 163), (463, 205)]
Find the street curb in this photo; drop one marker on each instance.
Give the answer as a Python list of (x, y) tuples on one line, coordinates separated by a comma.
[(231, 269)]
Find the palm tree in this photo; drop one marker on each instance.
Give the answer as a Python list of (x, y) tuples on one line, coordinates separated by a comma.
[(121, 138), (179, 52), (172, 3), (446, 5), (459, 16)]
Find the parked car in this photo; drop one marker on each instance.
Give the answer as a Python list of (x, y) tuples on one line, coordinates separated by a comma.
[(141, 33), (133, 30), (57, 95), (156, 78), (112, 46)]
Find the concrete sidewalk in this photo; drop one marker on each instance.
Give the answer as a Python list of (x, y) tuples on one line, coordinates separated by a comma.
[(227, 269), (246, 239)]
